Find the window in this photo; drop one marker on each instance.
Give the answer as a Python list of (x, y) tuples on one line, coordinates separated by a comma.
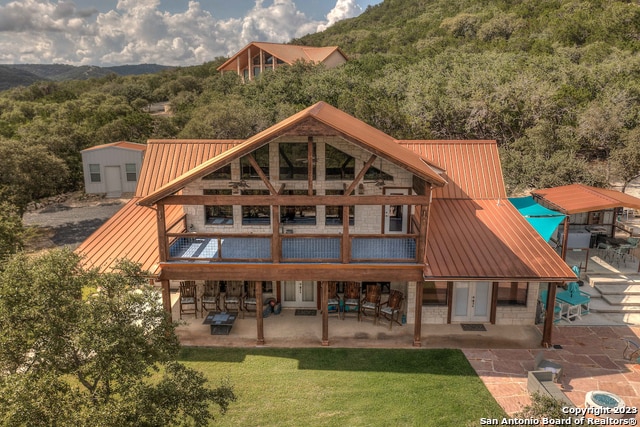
[(294, 161), (218, 215), (305, 215), (256, 215), (512, 293), (223, 173), (94, 171), (339, 166), (435, 293), (132, 176), (374, 173), (261, 155), (333, 214)]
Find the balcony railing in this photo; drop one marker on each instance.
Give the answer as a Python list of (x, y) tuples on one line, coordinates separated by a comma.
[(307, 248)]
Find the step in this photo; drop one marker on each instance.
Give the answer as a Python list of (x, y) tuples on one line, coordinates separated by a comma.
[(618, 289), (602, 306), (625, 300)]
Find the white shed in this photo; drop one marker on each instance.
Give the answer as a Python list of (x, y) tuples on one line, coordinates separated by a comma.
[(112, 169)]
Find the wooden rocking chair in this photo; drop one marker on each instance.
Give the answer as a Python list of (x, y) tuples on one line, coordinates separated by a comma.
[(233, 296), (333, 302), (188, 297), (371, 302), (351, 298), (211, 296), (392, 308)]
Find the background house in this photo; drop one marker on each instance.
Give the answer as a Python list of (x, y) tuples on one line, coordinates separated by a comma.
[(112, 169), (257, 57)]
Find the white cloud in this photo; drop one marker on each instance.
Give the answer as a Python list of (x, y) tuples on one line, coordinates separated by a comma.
[(138, 31)]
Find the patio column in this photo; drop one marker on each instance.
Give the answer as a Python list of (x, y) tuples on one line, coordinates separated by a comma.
[(565, 238), (417, 327), (259, 312), (549, 315), (325, 313), (166, 297)]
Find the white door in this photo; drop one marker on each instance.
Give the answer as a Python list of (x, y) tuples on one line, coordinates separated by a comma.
[(471, 301), (299, 294), (396, 217), (113, 181)]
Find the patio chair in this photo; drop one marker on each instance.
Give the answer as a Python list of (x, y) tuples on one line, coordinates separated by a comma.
[(333, 302), (249, 302), (542, 364), (392, 308), (233, 295), (371, 302), (351, 298), (210, 299), (576, 303), (631, 351), (557, 307), (188, 297)]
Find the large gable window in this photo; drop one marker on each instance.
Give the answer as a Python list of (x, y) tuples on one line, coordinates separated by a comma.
[(218, 215), (374, 174), (339, 165), (294, 161), (304, 215), (261, 155), (256, 215), (223, 173), (333, 214)]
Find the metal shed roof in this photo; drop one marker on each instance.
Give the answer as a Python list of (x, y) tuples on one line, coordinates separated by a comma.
[(577, 198)]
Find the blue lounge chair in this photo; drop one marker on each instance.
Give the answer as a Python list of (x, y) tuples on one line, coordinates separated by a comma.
[(557, 309)]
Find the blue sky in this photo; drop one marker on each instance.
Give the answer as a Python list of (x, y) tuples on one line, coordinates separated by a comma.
[(169, 32)]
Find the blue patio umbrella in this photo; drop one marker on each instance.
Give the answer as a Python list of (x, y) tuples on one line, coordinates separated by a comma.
[(543, 220)]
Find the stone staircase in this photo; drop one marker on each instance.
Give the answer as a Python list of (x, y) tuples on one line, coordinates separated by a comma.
[(615, 295)]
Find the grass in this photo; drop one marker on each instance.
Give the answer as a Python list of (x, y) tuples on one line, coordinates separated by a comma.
[(354, 387)]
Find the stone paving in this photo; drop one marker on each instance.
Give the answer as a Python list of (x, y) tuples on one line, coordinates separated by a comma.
[(591, 358)]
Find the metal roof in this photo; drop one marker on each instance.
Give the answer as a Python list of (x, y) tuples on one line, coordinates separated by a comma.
[(487, 240), (577, 198), (120, 144), (358, 132), (131, 233), (289, 53)]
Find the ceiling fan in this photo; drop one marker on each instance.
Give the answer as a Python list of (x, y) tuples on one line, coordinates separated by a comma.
[(238, 184)]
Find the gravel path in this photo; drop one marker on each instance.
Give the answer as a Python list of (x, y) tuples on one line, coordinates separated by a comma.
[(70, 223)]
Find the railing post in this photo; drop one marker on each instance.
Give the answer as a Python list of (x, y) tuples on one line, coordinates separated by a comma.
[(276, 240), (346, 240)]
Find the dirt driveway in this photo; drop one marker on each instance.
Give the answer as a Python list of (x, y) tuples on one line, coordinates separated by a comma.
[(68, 221)]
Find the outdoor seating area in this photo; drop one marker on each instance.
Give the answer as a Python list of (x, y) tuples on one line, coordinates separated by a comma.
[(616, 249), (570, 304)]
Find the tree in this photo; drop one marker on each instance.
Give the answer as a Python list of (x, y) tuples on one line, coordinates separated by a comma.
[(108, 359), (11, 231), (625, 161)]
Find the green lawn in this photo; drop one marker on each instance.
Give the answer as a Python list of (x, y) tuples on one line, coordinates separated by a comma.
[(347, 387)]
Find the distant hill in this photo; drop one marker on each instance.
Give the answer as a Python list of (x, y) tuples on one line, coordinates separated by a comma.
[(12, 75)]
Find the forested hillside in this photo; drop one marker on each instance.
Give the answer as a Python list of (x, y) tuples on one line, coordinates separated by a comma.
[(556, 83)]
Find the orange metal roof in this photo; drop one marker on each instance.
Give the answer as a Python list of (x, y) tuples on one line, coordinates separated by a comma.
[(367, 137), (577, 198), (131, 233), (120, 144), (289, 53), (472, 168), (167, 159), (487, 240)]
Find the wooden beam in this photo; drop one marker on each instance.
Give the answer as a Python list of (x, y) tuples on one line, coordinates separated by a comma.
[(293, 271), (494, 303), (276, 241), (325, 313), (261, 174), (166, 297), (565, 238), (547, 330), (163, 250), (310, 166), (259, 319), (346, 240), (360, 175), (417, 327), (281, 190), (295, 200)]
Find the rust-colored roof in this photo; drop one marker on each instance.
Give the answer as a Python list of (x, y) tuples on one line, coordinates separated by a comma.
[(131, 233), (167, 159), (289, 53), (488, 240), (472, 168), (120, 144), (367, 137), (577, 198)]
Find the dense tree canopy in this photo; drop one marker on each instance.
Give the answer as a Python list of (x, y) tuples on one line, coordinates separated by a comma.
[(555, 82), (108, 359)]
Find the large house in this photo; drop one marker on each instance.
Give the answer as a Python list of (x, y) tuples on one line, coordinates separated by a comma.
[(256, 57), (322, 196)]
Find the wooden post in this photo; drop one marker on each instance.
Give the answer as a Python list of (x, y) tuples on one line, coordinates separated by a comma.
[(417, 327), (259, 319), (565, 238), (166, 297), (276, 241), (310, 165), (549, 315), (325, 313), (346, 240), (162, 234)]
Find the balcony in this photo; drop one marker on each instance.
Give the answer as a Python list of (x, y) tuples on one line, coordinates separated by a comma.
[(292, 248)]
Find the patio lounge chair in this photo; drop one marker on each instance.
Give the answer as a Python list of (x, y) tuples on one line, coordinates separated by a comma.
[(631, 351), (392, 308), (542, 364), (371, 302), (211, 297), (188, 297), (351, 298)]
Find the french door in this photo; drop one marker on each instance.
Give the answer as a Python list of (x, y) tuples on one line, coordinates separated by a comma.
[(299, 293), (396, 217), (471, 301)]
